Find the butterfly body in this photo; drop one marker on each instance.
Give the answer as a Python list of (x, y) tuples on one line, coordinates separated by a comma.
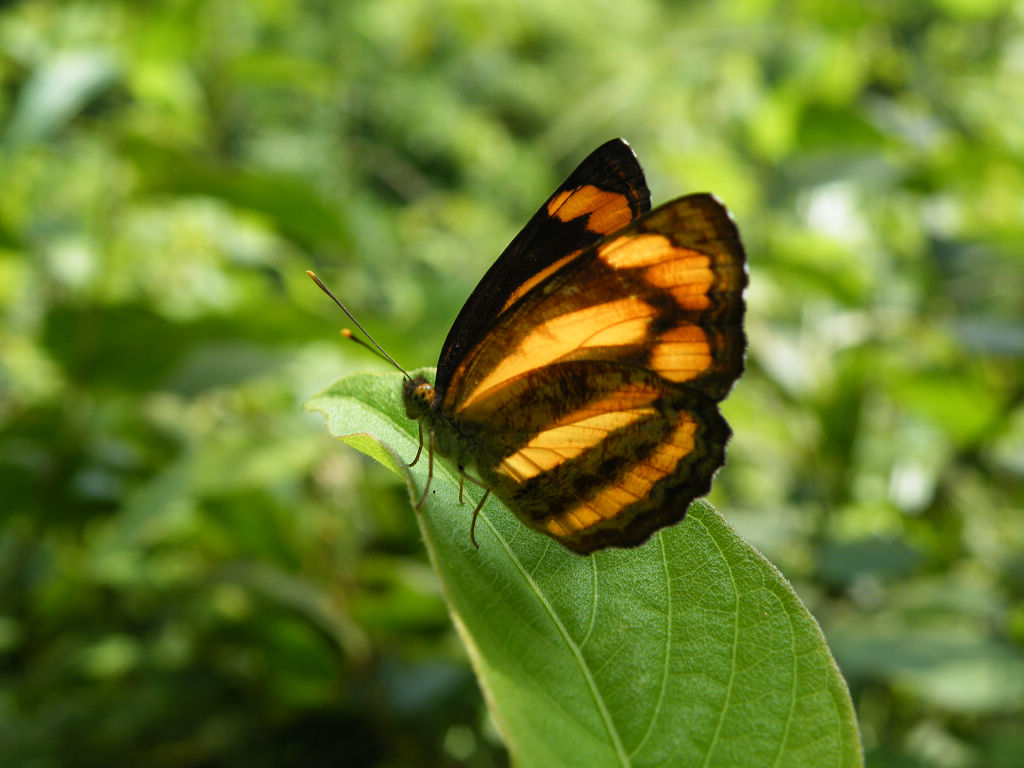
[(580, 381)]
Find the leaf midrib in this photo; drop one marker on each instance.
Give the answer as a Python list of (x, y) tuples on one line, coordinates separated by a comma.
[(735, 645), (668, 651), (574, 648)]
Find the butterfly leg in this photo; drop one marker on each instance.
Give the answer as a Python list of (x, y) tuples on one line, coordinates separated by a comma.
[(476, 512), (462, 483), (430, 471), (420, 449)]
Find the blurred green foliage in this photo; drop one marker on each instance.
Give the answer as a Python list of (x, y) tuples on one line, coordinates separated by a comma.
[(192, 573)]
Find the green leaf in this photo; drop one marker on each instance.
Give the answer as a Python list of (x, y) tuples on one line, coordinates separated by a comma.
[(689, 650)]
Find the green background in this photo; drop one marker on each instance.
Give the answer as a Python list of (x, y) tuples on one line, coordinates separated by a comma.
[(192, 573)]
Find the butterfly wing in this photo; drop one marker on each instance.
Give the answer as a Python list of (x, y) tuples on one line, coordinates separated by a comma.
[(607, 469), (605, 192), (591, 403)]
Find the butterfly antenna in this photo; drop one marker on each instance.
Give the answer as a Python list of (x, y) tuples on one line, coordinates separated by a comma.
[(377, 349)]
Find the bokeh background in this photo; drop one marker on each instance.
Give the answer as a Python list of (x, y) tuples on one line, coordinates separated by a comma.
[(193, 574)]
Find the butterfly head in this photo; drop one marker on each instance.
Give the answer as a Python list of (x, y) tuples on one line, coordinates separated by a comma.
[(418, 396)]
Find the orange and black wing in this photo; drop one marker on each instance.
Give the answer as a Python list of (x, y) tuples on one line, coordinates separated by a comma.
[(592, 401), (604, 194)]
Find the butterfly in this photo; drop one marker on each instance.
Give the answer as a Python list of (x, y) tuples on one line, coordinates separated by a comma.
[(580, 381)]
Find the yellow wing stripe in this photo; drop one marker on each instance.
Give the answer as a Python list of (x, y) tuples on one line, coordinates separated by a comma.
[(679, 354), (688, 277), (682, 353), (527, 284), (570, 438), (608, 501), (686, 274), (634, 251), (619, 322), (607, 211), (555, 527)]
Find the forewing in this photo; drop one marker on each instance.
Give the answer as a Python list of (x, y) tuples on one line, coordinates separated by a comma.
[(605, 192)]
